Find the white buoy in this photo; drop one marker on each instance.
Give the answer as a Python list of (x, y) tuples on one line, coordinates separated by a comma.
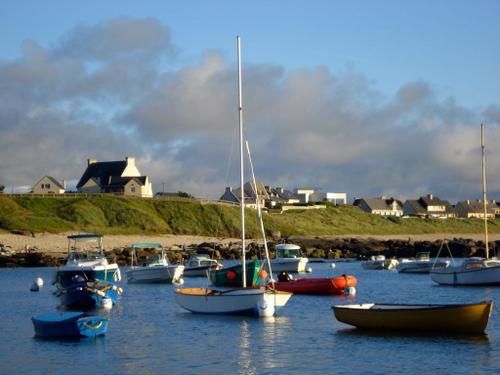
[(350, 291), (106, 303), (39, 282), (332, 265), (309, 269)]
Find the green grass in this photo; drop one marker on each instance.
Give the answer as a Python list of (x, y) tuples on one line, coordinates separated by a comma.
[(119, 215)]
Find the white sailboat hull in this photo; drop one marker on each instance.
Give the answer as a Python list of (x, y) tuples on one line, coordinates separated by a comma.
[(487, 272), (251, 301), (155, 274), (289, 264)]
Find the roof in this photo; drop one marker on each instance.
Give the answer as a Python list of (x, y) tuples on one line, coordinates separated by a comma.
[(477, 206), (379, 203), (430, 200), (416, 206), (102, 171)]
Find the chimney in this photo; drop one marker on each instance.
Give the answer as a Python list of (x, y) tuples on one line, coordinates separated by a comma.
[(64, 184), (229, 189), (91, 161), (130, 160), (430, 196)]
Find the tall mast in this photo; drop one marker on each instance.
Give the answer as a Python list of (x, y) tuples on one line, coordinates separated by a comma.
[(483, 162), (242, 178)]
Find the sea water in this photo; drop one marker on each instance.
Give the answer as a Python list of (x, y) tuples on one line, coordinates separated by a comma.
[(149, 333)]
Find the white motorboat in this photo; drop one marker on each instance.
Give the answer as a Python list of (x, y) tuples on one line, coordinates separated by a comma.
[(379, 262), (420, 264), (199, 264), (245, 300), (473, 271), (86, 260), (156, 268), (288, 258)]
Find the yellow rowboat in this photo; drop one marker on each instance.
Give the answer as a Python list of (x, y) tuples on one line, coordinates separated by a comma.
[(460, 318)]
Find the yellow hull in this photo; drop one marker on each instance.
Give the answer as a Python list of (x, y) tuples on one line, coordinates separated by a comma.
[(466, 318)]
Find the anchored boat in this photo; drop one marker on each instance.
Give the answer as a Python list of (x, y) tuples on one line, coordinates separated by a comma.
[(458, 318), (86, 258), (156, 268), (318, 285), (236, 300), (69, 325)]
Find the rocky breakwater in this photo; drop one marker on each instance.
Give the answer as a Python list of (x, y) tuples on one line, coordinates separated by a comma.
[(363, 248), (314, 247)]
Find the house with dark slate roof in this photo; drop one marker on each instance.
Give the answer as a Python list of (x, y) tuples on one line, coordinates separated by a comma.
[(49, 185), (249, 193), (280, 195), (475, 209), (380, 206), (115, 177), (428, 206)]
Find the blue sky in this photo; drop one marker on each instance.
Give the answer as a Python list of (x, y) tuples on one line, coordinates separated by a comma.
[(411, 75)]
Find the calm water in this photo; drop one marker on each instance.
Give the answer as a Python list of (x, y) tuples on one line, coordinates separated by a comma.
[(149, 334)]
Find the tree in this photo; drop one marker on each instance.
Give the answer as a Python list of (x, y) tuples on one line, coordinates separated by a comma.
[(1, 188)]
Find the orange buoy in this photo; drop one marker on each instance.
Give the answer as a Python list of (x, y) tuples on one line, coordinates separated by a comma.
[(263, 274), (231, 275)]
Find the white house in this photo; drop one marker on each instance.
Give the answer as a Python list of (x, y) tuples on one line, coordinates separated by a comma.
[(49, 185)]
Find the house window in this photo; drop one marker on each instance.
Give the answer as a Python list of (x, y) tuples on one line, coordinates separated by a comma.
[(132, 189), (45, 186)]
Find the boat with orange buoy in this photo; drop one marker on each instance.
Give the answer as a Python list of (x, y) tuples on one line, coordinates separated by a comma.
[(315, 285)]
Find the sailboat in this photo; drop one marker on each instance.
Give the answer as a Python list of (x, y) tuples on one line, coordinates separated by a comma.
[(473, 271), (247, 300)]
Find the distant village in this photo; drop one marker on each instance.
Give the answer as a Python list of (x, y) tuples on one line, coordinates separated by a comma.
[(123, 178)]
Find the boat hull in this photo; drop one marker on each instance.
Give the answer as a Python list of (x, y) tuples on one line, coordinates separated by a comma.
[(459, 276), (200, 271), (294, 265), (248, 301), (323, 285), (87, 295), (386, 264), (155, 274), (468, 318), (69, 325), (420, 267)]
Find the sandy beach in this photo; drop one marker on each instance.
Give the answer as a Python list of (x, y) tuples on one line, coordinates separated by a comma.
[(57, 243)]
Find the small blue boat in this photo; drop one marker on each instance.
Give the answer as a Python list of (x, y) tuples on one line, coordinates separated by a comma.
[(88, 295), (69, 325)]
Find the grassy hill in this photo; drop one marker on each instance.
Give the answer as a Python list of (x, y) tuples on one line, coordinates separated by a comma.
[(120, 215)]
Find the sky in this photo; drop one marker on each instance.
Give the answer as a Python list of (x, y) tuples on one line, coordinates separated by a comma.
[(371, 98)]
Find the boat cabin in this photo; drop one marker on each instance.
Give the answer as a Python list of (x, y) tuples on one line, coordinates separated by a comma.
[(288, 251), (153, 260)]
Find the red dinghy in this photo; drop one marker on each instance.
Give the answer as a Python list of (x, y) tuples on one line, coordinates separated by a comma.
[(319, 285)]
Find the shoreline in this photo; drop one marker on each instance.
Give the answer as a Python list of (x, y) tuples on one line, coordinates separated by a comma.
[(58, 243)]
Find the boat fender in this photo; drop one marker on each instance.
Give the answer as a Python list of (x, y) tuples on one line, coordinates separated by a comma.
[(350, 291), (106, 303)]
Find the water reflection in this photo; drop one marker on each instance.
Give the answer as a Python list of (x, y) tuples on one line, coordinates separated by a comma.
[(245, 357), (479, 339)]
